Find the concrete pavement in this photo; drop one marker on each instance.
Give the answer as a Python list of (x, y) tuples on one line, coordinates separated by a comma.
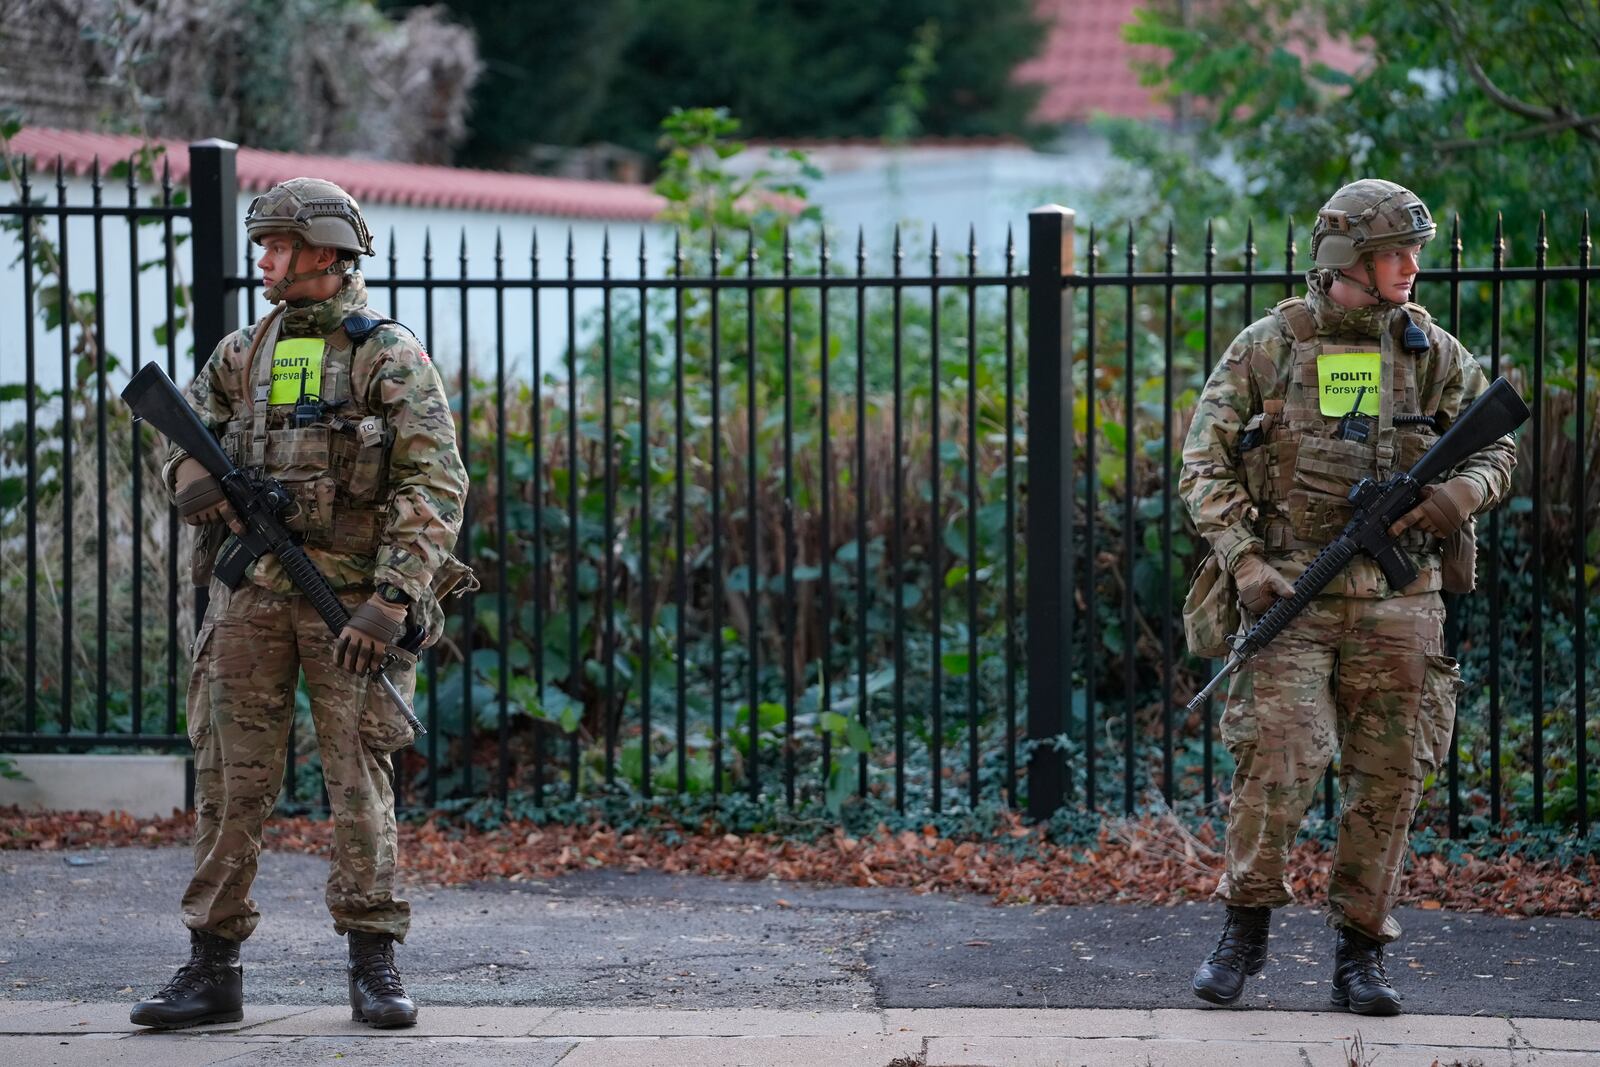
[(56, 1034)]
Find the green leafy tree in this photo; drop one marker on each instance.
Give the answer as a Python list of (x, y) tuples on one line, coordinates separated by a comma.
[(605, 71), (1481, 108)]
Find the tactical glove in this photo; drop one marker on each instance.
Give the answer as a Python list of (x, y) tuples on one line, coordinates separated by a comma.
[(1260, 585), (199, 497), (1444, 508), (373, 627)]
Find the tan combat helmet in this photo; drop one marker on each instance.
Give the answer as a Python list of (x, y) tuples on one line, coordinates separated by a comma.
[(318, 213), (1364, 217)]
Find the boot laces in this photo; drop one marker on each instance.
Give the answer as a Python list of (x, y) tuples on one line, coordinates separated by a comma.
[(1234, 946), (190, 977), (1367, 965), (375, 972)]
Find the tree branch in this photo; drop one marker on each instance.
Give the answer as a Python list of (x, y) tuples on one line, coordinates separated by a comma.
[(1576, 122), (1499, 96), (1567, 16), (1538, 113)]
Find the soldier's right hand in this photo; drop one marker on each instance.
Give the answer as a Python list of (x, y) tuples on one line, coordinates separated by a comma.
[(199, 497), (1260, 585), (373, 627)]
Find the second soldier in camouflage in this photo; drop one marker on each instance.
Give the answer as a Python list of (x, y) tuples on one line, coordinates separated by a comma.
[(1327, 389)]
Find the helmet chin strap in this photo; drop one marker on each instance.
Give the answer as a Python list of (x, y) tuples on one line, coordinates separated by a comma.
[(1371, 288), (275, 294)]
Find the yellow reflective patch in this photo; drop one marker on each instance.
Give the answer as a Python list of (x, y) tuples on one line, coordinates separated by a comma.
[(293, 357), (1340, 377)]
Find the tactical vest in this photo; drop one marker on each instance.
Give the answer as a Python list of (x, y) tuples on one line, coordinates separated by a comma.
[(335, 466), (1297, 466)]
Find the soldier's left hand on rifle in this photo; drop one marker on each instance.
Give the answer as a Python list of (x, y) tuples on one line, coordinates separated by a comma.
[(1444, 508)]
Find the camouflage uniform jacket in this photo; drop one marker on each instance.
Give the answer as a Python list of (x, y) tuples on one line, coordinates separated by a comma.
[(371, 506), (1263, 470)]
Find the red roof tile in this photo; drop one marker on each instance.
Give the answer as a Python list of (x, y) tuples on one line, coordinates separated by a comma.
[(1086, 66), (369, 181)]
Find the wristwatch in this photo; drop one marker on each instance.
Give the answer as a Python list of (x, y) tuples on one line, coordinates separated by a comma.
[(392, 594)]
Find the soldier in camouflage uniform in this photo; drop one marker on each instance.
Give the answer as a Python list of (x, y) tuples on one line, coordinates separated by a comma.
[(345, 409), (1325, 390)]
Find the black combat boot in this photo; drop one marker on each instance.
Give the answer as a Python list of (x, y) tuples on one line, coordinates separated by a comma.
[(1241, 952), (1359, 982), (207, 989), (376, 996)]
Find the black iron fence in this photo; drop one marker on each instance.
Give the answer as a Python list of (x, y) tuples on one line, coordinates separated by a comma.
[(785, 533)]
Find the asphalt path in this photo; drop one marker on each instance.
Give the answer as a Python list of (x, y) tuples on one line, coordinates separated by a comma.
[(103, 926)]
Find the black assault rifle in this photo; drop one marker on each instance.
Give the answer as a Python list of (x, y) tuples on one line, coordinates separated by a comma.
[(260, 503), (1495, 413)]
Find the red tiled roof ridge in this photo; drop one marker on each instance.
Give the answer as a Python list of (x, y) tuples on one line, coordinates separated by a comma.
[(369, 181)]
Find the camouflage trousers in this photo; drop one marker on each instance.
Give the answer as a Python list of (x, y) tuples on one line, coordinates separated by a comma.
[(249, 653), (1360, 678)]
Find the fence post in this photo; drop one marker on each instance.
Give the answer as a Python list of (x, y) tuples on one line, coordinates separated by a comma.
[(1050, 500), (213, 244), (214, 252)]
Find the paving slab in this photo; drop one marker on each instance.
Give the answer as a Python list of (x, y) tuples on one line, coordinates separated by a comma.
[(441, 1021), (93, 1033), (136, 1051), (1557, 1034), (11, 1008), (84, 1018), (391, 1051), (876, 1051), (1199, 1024), (725, 1022), (1022, 1022), (1122, 1052), (1109, 1052)]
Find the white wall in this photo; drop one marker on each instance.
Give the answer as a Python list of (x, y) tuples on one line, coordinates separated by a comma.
[(409, 227), (120, 281), (952, 188)]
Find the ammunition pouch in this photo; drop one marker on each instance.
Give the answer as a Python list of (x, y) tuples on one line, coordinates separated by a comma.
[(1318, 505), (203, 559), (361, 457), (1211, 609), (335, 480), (232, 562), (1458, 571), (1324, 470)]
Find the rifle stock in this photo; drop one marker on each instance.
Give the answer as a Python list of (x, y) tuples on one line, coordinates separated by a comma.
[(151, 396), (1497, 411)]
